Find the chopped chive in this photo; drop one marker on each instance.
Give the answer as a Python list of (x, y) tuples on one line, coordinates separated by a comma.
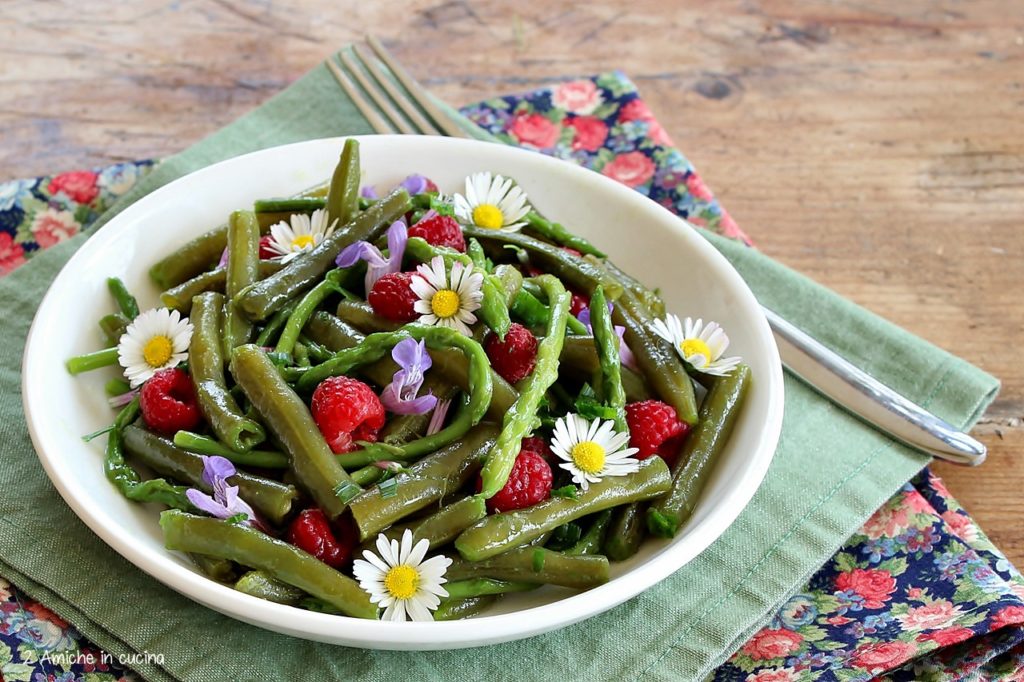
[(567, 491), (388, 487), (91, 361), (347, 491), (237, 518)]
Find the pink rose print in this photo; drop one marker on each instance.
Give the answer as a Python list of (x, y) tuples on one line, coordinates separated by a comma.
[(930, 616), (51, 226), (79, 186), (534, 129), (697, 188), (631, 169), (961, 525), (1008, 615), (889, 521), (875, 585), (947, 637), (880, 656), (730, 229), (917, 504), (773, 675), (11, 253), (577, 97), (637, 110), (772, 643), (589, 133)]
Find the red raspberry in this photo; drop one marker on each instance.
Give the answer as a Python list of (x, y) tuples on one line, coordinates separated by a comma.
[(514, 357), (311, 532), (538, 445), (346, 410), (572, 252), (392, 297), (440, 230), (578, 303), (266, 252), (528, 483), (431, 186), (655, 429), (168, 402)]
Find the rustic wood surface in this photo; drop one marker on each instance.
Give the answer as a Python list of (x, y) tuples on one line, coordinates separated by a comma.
[(876, 146)]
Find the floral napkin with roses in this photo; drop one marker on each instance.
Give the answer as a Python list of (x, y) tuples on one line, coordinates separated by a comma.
[(919, 592)]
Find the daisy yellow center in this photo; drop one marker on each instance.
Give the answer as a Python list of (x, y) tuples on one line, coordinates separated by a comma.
[(402, 581), (157, 351), (489, 216), (445, 303), (303, 241), (588, 456), (691, 347)]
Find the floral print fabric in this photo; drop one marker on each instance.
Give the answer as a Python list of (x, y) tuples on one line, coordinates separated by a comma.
[(918, 593)]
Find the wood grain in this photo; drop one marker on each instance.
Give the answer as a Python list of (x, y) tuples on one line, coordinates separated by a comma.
[(877, 147)]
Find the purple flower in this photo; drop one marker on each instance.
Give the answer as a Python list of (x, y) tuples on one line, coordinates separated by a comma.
[(625, 354), (377, 264), (415, 184), (400, 395), (223, 262), (123, 399), (369, 192), (225, 502), (437, 419)]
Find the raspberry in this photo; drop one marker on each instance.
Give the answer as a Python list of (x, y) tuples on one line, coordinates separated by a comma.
[(168, 402), (266, 252), (430, 186), (514, 357), (392, 297), (311, 532), (578, 303), (440, 230), (346, 410), (655, 429), (528, 483), (572, 252), (538, 445)]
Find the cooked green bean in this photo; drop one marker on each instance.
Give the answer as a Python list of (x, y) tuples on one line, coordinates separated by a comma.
[(479, 587), (579, 353), (127, 304), (269, 295), (116, 387), (113, 327), (476, 255), (555, 232), (535, 313), (301, 313), (653, 302), (367, 475), (594, 538), (275, 324), (701, 448), (91, 361), (606, 341), (426, 482), (442, 526), (288, 205), (264, 459), (455, 609), (287, 417), (206, 363), (343, 196), (502, 532), (405, 428), (511, 281), (265, 586), (535, 565), (180, 297), (626, 531), (241, 271), (360, 315), (270, 499), (221, 570), (519, 421), (255, 549)]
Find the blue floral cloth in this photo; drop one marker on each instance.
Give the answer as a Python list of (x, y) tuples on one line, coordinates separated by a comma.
[(918, 593)]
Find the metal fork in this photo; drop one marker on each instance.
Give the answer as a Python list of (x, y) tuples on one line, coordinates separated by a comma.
[(825, 371)]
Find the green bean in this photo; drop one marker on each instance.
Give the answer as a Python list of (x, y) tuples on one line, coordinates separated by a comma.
[(269, 295), (242, 271), (501, 532), (606, 341), (191, 259), (480, 587), (301, 355), (455, 609), (116, 387), (343, 196), (575, 272), (535, 565), (360, 315), (125, 301), (126, 479), (493, 308), (520, 419), (426, 482), (180, 297), (476, 255), (288, 205), (270, 499), (264, 459), (375, 346), (651, 300), (367, 475), (701, 448), (91, 361), (555, 232), (442, 526), (404, 428), (579, 353), (287, 417), (301, 313), (265, 586), (535, 313), (592, 540), (113, 327), (511, 281), (276, 322), (253, 548), (220, 570), (626, 531)]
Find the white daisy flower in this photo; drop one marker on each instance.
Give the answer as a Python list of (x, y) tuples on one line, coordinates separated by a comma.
[(400, 581), (155, 340), (303, 234), (699, 345), (447, 302), (495, 203), (592, 450)]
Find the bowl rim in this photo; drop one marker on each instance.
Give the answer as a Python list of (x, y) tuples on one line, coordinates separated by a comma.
[(477, 631)]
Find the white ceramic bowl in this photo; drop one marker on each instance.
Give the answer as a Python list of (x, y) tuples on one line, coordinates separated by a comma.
[(641, 236)]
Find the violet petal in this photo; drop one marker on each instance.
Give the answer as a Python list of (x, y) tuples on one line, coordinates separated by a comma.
[(205, 503), (368, 192), (415, 184), (412, 356), (392, 401), (223, 259), (216, 468), (437, 419), (353, 253)]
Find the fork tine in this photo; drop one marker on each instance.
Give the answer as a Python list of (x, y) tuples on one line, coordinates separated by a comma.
[(400, 98), (377, 121), (378, 97), (416, 91)]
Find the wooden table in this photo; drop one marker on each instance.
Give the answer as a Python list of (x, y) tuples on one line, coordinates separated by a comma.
[(877, 147)]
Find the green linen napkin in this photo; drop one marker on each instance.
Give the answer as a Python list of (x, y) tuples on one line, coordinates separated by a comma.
[(830, 473)]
